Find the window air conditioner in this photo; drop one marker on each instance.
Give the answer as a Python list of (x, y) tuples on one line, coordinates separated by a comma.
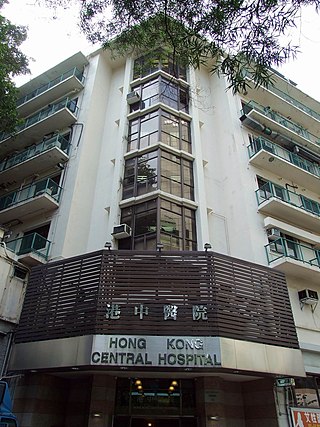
[(121, 231), (307, 296), (133, 97), (273, 233)]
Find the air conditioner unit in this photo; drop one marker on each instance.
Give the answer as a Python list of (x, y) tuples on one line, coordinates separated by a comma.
[(273, 233), (121, 231), (133, 97), (307, 296)]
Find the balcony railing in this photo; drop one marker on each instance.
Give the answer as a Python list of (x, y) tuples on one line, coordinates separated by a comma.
[(46, 186), (57, 141), (269, 190), (34, 243), (285, 248), (73, 72), (289, 98), (278, 118), (70, 104), (263, 144)]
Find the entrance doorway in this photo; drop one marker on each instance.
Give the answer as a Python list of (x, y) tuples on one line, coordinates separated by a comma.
[(120, 421), (155, 422), (163, 422), (155, 402)]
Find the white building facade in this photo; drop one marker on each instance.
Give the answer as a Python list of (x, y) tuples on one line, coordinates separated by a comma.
[(121, 174)]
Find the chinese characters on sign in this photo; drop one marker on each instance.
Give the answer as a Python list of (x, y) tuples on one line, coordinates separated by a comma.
[(305, 417), (170, 312)]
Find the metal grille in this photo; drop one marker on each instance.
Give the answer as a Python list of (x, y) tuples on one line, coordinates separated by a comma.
[(244, 301)]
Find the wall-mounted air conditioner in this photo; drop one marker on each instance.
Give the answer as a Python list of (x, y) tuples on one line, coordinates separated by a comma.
[(133, 97), (307, 296), (273, 233), (121, 231)]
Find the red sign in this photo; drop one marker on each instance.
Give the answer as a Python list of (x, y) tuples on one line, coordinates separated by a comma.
[(304, 417)]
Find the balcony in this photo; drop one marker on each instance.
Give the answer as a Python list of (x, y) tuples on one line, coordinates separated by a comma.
[(278, 127), (40, 197), (294, 259), (273, 158), (279, 202), (36, 158), (71, 81), (307, 116), (31, 249), (57, 116)]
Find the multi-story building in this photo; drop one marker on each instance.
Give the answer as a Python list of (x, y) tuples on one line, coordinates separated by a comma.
[(166, 236)]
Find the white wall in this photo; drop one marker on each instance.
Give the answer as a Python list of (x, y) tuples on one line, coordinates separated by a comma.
[(229, 181)]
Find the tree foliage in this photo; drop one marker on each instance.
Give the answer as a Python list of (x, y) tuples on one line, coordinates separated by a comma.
[(12, 63), (229, 35)]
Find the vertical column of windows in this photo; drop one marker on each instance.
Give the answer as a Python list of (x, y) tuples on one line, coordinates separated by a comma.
[(158, 220)]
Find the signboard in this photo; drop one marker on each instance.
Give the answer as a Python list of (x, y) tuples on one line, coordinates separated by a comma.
[(305, 417), (156, 351), (284, 382)]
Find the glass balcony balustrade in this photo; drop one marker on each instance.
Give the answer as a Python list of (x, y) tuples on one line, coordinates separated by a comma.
[(278, 118), (73, 72), (270, 190), (263, 144), (288, 98), (34, 243), (45, 186), (56, 141), (70, 104), (286, 248)]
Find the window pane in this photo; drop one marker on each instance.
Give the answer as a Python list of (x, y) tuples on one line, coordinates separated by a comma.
[(183, 101), (148, 126), (185, 130), (150, 94), (171, 223), (146, 223)]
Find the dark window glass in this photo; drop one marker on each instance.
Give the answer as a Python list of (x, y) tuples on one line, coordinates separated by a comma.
[(176, 229), (162, 90), (171, 174), (175, 132), (141, 175), (158, 60), (144, 131), (146, 222)]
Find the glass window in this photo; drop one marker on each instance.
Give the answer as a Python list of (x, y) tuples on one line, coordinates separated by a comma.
[(150, 94), (187, 174), (171, 174), (158, 60), (145, 222), (176, 229), (161, 90), (141, 175), (144, 131), (175, 132)]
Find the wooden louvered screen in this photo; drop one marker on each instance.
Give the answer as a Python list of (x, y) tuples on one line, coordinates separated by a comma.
[(243, 300)]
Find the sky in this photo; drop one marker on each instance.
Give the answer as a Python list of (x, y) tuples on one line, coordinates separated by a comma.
[(53, 35)]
